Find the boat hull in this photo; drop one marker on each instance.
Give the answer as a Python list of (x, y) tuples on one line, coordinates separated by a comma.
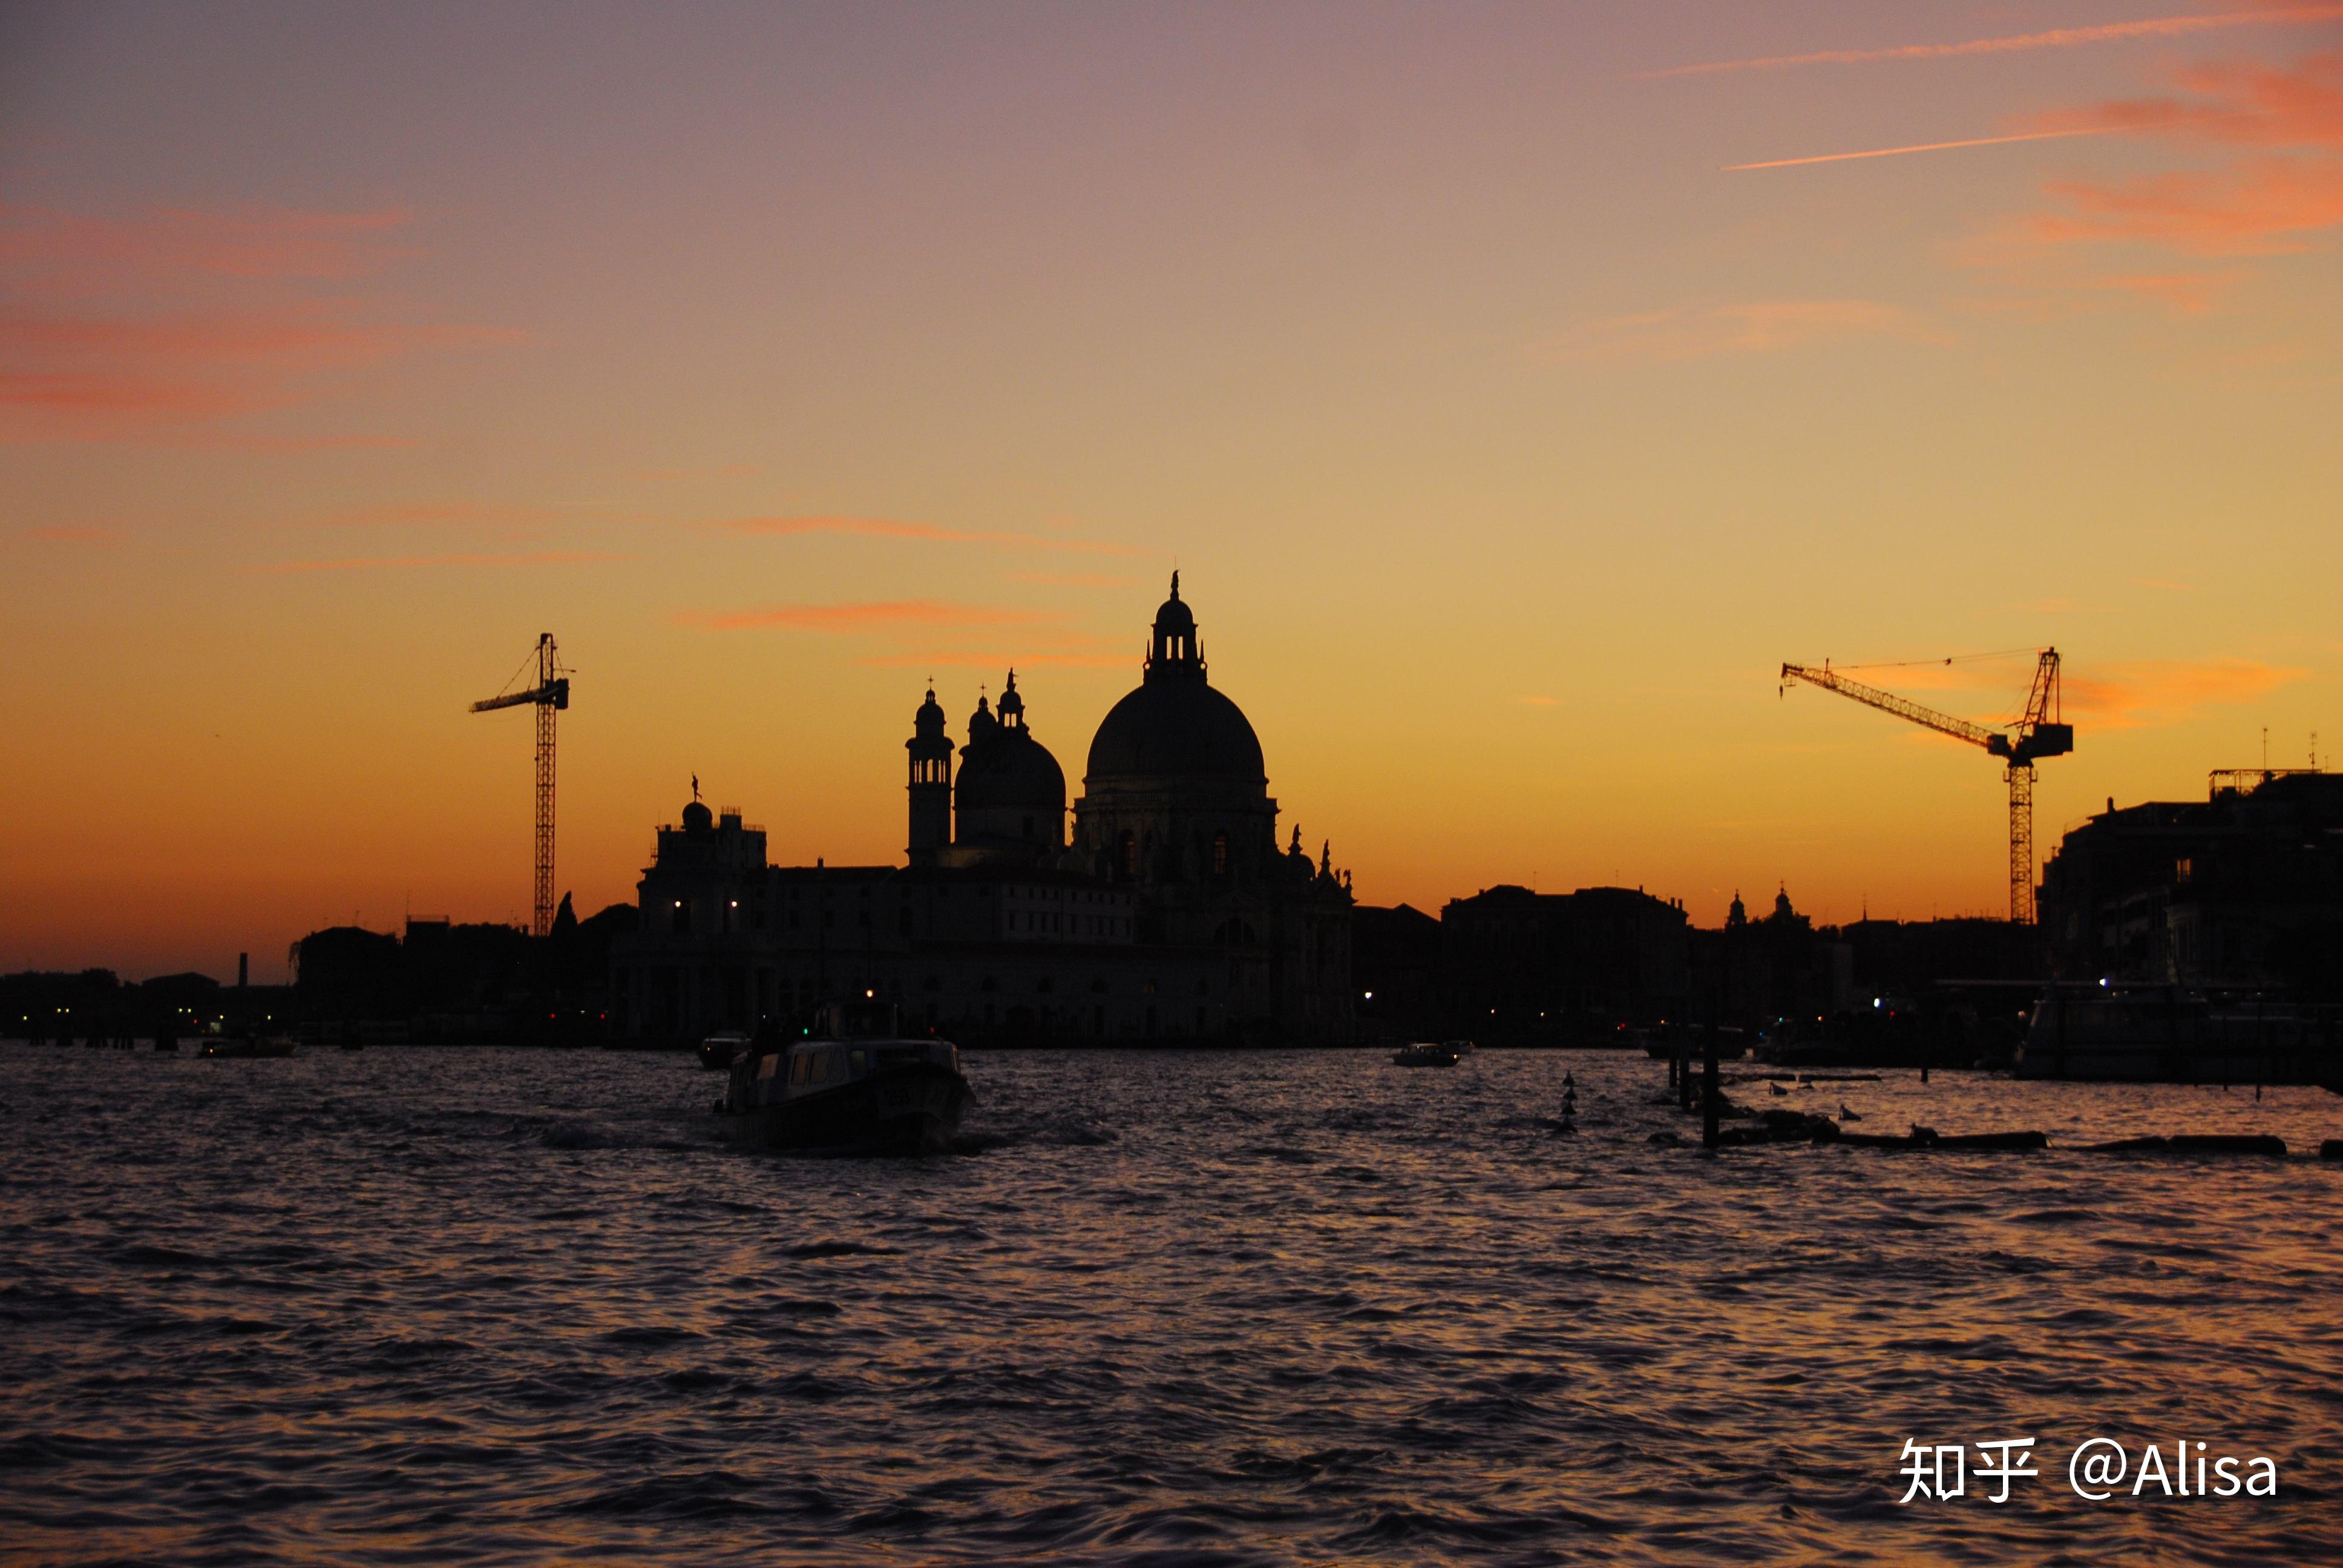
[(2177, 1039), (911, 1110)]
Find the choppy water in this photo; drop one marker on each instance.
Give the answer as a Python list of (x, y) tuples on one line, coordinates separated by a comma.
[(470, 1307)]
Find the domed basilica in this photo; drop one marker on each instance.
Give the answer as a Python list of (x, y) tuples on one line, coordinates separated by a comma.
[(1170, 914)]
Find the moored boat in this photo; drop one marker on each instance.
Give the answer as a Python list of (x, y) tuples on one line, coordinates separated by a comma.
[(250, 1046), (2172, 1035), (1427, 1053), (856, 1083), (718, 1050)]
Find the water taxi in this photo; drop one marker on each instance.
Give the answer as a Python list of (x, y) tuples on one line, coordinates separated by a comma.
[(856, 1083)]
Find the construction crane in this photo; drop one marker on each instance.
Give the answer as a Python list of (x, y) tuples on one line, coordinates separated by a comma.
[(550, 695), (2038, 733)]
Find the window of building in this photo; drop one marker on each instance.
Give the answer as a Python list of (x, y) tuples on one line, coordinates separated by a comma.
[(1129, 853), (1220, 854), (683, 916)]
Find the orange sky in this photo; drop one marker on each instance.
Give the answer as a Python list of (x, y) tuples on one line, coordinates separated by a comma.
[(1510, 430)]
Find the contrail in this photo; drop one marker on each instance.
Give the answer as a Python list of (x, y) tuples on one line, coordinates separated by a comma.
[(1925, 148), (2060, 38)]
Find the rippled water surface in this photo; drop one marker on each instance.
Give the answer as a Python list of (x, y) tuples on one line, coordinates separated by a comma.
[(440, 1306)]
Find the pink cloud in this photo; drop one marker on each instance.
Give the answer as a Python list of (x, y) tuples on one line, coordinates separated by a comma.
[(170, 326), (2287, 191), (2265, 207)]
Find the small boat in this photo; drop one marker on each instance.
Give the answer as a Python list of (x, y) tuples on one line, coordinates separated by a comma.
[(1425, 1053), (240, 1048), (856, 1083), (717, 1052)]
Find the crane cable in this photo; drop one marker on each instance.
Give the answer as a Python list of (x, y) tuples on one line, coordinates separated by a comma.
[(1956, 659), (1940, 664), (507, 688)]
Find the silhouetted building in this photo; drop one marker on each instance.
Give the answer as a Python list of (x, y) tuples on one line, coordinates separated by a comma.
[(1913, 959), (1398, 970), (1171, 914), (445, 982), (1564, 968), (1754, 975), (2244, 888)]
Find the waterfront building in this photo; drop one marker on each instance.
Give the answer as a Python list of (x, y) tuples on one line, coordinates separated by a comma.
[(1168, 914), (2243, 888)]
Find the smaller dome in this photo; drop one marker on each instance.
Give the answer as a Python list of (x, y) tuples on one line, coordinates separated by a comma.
[(1011, 771), (697, 817)]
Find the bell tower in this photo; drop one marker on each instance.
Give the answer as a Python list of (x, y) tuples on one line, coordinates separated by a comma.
[(930, 752)]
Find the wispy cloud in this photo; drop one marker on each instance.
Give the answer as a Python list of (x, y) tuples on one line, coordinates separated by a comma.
[(173, 324), (2267, 207), (1762, 327), (383, 563), (2020, 42), (2148, 693), (851, 619), (1921, 148), (890, 528)]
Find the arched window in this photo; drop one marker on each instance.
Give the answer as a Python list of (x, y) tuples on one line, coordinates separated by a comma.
[(1220, 854), (1129, 858)]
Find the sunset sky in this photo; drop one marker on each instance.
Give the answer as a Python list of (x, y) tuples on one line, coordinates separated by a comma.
[(1509, 430)]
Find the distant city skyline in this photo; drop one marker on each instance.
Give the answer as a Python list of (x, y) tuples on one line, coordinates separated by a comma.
[(1517, 389)]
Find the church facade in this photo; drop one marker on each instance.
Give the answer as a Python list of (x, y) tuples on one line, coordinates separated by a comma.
[(1170, 912)]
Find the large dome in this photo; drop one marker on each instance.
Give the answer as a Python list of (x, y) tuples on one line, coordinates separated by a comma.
[(1175, 726), (1178, 730)]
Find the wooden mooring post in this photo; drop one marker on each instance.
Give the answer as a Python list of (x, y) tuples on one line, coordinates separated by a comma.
[(1708, 1088)]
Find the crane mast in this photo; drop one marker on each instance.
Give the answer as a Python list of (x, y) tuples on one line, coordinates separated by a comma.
[(2038, 733), (549, 695)]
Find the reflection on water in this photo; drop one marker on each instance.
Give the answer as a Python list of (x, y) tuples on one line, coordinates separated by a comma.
[(496, 1306)]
